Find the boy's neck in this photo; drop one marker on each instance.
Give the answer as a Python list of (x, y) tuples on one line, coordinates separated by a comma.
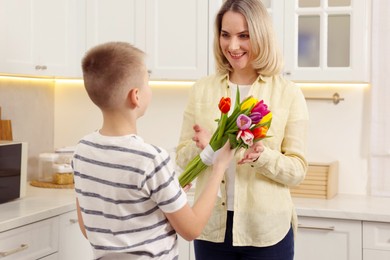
[(109, 131), (118, 125)]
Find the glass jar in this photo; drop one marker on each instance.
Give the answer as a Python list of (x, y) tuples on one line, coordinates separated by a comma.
[(46, 166)]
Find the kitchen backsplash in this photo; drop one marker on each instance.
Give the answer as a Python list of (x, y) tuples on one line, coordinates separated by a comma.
[(59, 116)]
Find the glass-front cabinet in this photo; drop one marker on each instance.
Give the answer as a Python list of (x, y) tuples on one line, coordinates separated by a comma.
[(327, 40), (323, 40)]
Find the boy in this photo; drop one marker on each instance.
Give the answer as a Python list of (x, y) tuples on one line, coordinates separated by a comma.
[(129, 201)]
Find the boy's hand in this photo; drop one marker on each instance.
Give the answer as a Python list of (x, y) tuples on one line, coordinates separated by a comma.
[(201, 137), (224, 156), (187, 187), (252, 153)]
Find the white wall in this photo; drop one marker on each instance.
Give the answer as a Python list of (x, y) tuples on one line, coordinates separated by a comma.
[(337, 132), (29, 103)]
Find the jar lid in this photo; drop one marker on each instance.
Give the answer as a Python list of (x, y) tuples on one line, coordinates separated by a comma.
[(62, 168), (48, 156)]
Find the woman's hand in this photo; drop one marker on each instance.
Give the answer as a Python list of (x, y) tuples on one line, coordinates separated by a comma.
[(201, 137), (252, 153)]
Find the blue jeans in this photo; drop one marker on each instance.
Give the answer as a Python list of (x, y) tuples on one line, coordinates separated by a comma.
[(205, 250)]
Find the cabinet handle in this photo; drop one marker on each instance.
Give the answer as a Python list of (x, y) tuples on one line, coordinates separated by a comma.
[(39, 67), (13, 251), (331, 228), (73, 221)]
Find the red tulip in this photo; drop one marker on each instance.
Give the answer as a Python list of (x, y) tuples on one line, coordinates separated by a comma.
[(224, 105)]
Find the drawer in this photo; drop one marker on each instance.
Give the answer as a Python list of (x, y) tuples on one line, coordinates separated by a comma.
[(371, 254), (376, 235), (32, 241)]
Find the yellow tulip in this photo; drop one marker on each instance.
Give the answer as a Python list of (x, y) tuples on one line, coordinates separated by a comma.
[(250, 102), (266, 118)]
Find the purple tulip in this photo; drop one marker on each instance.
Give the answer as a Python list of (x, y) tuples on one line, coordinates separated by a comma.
[(261, 108), (243, 122), (256, 117)]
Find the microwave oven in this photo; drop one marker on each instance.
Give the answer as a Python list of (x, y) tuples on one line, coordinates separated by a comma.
[(13, 170)]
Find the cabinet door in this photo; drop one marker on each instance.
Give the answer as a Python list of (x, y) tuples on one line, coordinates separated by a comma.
[(213, 8), (72, 243), (177, 39), (376, 241), (327, 40), (42, 37), (121, 20), (275, 9), (184, 248), (32, 241), (371, 254), (324, 239)]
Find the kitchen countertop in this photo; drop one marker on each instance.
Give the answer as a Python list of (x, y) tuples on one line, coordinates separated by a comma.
[(346, 206), (38, 204), (42, 203)]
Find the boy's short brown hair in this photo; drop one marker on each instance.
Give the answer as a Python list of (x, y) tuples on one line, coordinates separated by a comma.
[(110, 70)]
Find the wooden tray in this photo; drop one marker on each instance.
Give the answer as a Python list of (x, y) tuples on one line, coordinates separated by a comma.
[(42, 184)]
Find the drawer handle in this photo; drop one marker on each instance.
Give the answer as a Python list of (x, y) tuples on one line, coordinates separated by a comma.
[(13, 251), (331, 228), (73, 221)]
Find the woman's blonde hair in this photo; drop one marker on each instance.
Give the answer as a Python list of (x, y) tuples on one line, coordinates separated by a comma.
[(110, 70), (267, 59)]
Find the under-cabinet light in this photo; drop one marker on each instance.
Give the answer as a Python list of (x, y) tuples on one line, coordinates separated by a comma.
[(331, 85), (183, 83)]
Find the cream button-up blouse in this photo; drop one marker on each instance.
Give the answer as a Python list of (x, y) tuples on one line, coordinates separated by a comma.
[(263, 209)]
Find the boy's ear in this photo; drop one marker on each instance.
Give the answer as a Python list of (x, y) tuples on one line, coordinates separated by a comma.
[(133, 97)]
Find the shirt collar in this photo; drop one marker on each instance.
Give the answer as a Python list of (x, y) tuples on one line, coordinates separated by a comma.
[(223, 77)]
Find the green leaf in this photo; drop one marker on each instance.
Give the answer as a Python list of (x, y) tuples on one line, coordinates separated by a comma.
[(237, 98)]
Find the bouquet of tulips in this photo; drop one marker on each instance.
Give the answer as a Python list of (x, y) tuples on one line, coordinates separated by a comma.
[(248, 123)]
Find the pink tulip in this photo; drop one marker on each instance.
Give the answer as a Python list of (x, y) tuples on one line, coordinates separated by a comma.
[(246, 136), (243, 122)]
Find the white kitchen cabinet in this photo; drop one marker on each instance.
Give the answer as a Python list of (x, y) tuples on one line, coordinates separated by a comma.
[(173, 33), (33, 241), (324, 239), (72, 243), (54, 238), (184, 249), (376, 241), (122, 20), (177, 41), (42, 37), (327, 40), (192, 252)]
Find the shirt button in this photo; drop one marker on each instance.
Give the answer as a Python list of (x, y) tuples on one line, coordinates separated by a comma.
[(223, 182), (223, 203), (252, 166)]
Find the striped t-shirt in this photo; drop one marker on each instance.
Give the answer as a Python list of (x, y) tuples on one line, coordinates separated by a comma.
[(124, 186)]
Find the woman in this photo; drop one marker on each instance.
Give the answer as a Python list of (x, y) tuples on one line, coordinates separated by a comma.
[(254, 217)]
